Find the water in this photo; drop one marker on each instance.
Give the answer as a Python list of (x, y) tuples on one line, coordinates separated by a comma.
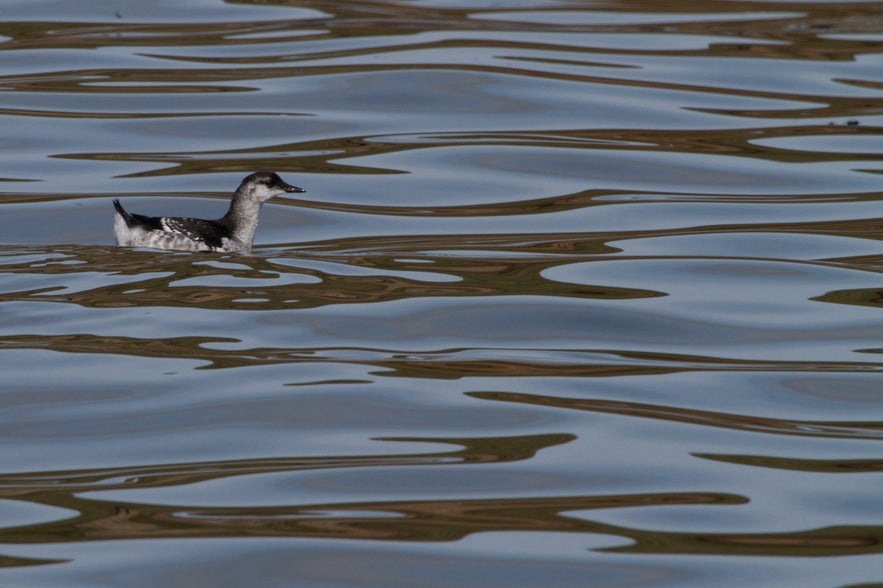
[(579, 294)]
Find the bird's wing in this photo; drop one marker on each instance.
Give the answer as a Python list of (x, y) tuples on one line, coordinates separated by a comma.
[(208, 232)]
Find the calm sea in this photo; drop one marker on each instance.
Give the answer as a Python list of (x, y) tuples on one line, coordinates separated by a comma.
[(579, 294)]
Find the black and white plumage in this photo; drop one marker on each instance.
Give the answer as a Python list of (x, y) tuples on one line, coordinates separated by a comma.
[(233, 232)]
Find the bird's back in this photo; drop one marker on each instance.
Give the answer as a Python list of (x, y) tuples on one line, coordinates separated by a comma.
[(162, 232)]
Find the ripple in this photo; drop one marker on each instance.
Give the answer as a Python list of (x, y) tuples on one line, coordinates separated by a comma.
[(572, 294), (582, 18)]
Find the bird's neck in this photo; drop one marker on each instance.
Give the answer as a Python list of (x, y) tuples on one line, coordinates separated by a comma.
[(242, 218)]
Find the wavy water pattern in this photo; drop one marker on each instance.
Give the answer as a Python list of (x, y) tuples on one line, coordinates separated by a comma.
[(579, 294)]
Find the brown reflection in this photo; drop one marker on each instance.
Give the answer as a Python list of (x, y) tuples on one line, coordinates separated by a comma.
[(441, 520), (754, 424), (454, 364), (175, 347), (434, 520), (293, 46), (803, 32), (448, 520), (823, 466), (425, 367), (412, 520), (122, 33), (595, 245), (329, 155), (320, 156), (802, 29), (7, 561), (427, 520), (473, 450), (857, 297), (449, 364), (446, 364), (475, 276)]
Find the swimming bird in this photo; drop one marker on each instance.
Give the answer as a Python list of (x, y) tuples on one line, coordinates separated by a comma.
[(233, 232)]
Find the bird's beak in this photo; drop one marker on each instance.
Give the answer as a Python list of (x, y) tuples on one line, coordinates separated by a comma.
[(290, 188)]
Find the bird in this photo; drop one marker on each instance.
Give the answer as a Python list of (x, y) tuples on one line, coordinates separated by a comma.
[(233, 232)]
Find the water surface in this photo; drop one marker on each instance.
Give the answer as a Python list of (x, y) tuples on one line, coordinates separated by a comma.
[(579, 294)]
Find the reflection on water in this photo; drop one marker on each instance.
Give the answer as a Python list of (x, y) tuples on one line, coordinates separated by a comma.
[(575, 292)]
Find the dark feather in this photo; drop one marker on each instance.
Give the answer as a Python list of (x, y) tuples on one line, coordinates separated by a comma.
[(207, 231), (148, 223)]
